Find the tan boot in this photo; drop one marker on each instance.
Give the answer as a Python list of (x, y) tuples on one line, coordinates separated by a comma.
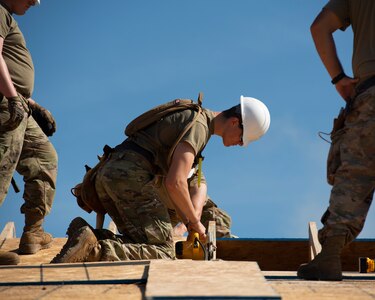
[(82, 246), (327, 264), (76, 224), (34, 238), (9, 258)]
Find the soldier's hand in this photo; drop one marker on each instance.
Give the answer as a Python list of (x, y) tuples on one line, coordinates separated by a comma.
[(198, 227), (16, 113), (44, 118), (346, 88)]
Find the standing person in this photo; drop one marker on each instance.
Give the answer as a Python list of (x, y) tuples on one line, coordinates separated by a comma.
[(24, 145), (137, 184), (351, 163)]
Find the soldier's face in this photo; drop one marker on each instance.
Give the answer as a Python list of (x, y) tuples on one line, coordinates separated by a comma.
[(232, 134), (19, 7)]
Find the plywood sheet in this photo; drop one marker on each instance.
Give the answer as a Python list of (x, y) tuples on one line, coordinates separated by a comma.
[(186, 279), (78, 273), (327, 290), (9, 231), (41, 257), (74, 292)]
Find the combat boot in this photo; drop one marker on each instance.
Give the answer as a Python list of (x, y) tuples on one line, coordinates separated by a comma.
[(9, 258), (76, 224), (34, 238), (82, 246), (327, 264)]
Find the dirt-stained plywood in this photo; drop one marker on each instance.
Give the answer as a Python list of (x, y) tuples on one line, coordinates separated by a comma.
[(78, 273), (41, 257), (190, 279), (63, 292), (35, 278)]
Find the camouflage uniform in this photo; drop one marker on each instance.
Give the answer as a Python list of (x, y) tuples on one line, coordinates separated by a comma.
[(136, 207), (129, 186), (127, 190), (213, 213), (25, 149), (28, 151), (351, 160), (352, 167)]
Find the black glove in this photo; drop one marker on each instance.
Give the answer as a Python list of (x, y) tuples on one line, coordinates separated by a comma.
[(44, 119), (16, 113)]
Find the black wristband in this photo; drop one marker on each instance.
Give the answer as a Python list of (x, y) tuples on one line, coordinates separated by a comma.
[(338, 78)]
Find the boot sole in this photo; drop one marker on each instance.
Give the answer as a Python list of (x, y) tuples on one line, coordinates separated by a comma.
[(315, 275), (33, 248)]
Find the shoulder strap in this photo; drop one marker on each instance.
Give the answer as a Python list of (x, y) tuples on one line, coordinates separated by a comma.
[(187, 128)]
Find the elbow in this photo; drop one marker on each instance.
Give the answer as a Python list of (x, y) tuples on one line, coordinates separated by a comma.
[(315, 29), (173, 184)]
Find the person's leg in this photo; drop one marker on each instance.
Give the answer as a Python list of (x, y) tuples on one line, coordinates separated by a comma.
[(125, 188), (352, 191), (10, 150), (11, 143), (38, 166)]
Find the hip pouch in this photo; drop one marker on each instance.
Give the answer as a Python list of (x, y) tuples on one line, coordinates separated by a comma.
[(334, 160), (85, 192)]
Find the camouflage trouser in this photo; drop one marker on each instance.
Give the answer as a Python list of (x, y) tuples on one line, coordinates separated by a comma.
[(27, 150), (210, 212), (354, 174), (125, 187)]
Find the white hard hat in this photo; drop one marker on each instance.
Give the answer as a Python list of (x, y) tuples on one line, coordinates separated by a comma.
[(37, 2), (256, 119)]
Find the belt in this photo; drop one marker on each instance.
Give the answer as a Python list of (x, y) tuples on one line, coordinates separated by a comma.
[(365, 85), (130, 145)]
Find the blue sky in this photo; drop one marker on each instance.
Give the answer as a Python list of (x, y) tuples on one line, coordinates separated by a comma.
[(98, 67)]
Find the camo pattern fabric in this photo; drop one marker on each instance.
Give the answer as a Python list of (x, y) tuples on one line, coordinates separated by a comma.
[(126, 187), (354, 178), (27, 150), (223, 221)]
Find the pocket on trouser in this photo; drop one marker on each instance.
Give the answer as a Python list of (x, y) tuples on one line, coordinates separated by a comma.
[(334, 158), (157, 231), (3, 150)]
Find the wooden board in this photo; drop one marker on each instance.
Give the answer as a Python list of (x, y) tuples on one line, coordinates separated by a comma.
[(270, 254), (314, 243), (211, 236), (42, 257), (353, 286), (78, 273), (291, 275), (287, 254), (8, 232), (191, 279), (74, 292)]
